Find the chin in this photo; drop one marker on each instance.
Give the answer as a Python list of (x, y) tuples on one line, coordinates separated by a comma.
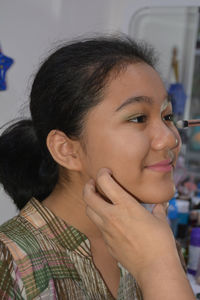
[(155, 196), (160, 197)]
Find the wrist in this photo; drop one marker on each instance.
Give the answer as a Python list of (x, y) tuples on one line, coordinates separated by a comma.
[(160, 260), (163, 266), (163, 276)]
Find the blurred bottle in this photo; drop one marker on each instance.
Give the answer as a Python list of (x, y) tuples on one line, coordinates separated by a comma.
[(194, 218), (194, 250), (183, 218), (197, 276), (172, 214)]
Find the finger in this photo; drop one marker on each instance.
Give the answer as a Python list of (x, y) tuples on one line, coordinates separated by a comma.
[(166, 206), (159, 211), (94, 200), (111, 188), (94, 217)]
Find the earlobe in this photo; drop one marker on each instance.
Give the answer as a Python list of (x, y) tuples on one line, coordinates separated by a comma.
[(64, 150)]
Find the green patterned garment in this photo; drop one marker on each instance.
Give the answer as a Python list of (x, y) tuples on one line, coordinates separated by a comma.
[(41, 257)]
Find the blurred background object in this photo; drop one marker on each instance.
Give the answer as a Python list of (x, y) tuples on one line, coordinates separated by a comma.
[(5, 63), (176, 89)]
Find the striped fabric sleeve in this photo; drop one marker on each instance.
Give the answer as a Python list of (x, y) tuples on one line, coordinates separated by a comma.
[(9, 288)]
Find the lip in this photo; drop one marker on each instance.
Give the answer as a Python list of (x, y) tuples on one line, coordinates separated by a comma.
[(162, 166)]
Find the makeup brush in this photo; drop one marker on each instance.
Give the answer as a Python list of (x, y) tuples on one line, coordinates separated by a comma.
[(187, 123)]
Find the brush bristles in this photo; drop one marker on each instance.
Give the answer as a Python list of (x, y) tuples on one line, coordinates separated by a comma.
[(181, 124)]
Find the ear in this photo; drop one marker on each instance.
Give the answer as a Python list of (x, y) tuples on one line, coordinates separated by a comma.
[(64, 150)]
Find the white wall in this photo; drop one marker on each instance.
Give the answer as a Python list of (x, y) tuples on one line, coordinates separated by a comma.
[(29, 28)]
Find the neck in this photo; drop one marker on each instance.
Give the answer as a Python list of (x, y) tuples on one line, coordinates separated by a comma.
[(66, 202)]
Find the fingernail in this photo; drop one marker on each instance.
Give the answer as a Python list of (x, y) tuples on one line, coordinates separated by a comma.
[(102, 170), (91, 181), (92, 184)]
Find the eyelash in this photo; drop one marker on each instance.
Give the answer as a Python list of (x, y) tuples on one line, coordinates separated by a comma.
[(138, 118), (143, 118)]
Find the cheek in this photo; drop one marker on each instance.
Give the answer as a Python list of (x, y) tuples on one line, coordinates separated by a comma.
[(178, 148), (180, 143), (125, 154), (122, 152)]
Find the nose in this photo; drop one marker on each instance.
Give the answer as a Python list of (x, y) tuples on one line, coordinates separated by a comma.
[(164, 136)]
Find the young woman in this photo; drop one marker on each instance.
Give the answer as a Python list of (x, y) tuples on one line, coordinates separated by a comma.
[(94, 103)]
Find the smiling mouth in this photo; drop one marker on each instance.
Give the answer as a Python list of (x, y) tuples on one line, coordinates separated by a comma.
[(162, 166)]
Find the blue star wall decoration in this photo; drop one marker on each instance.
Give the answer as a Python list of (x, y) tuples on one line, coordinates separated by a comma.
[(5, 63)]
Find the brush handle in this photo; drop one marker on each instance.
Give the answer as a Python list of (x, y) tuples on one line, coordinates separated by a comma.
[(195, 122)]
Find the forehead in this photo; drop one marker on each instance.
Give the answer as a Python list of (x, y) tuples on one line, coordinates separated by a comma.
[(136, 81)]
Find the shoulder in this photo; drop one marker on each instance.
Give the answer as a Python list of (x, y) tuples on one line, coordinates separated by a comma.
[(11, 284), (19, 237), (12, 237), (8, 230), (20, 257), (13, 230)]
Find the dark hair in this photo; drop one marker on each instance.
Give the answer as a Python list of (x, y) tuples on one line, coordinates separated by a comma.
[(68, 84)]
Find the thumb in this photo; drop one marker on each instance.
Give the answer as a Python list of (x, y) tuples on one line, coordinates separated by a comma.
[(159, 211)]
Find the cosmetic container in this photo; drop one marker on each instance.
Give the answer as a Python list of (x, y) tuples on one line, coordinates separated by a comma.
[(183, 211)]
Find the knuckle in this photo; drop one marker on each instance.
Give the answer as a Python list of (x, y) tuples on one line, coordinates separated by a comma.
[(103, 171)]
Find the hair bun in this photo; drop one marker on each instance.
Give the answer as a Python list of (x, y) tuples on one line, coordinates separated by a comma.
[(20, 164)]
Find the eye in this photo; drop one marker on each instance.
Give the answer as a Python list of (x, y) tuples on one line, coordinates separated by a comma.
[(138, 119), (169, 117)]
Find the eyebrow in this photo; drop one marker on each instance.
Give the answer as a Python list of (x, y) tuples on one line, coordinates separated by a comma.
[(143, 99)]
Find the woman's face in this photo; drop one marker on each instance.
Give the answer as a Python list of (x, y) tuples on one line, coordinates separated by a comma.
[(132, 133)]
